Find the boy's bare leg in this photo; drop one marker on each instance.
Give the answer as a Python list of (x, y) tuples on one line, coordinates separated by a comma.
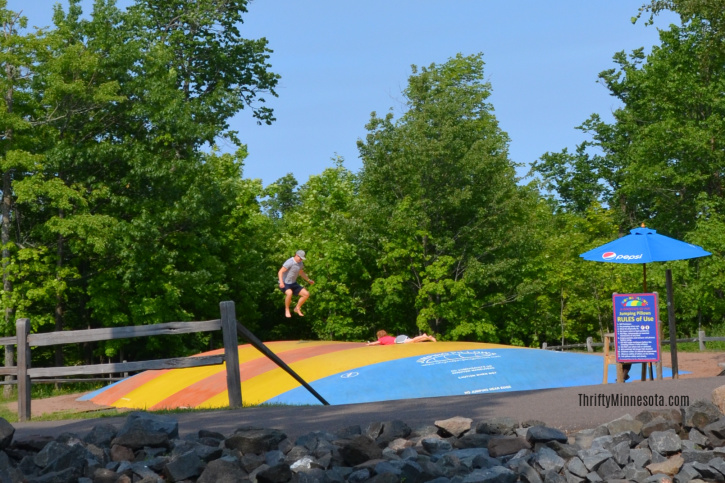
[(287, 301), (304, 295)]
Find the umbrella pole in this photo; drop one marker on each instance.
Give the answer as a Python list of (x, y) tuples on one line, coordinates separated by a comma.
[(673, 329), (644, 277)]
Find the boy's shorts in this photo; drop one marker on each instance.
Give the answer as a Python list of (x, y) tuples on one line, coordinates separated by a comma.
[(295, 287)]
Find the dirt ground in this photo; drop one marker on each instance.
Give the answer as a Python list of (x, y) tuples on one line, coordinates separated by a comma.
[(698, 364)]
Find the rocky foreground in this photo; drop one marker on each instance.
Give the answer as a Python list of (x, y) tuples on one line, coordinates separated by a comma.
[(680, 445)]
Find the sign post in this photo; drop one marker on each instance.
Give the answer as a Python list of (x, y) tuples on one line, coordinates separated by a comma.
[(636, 328)]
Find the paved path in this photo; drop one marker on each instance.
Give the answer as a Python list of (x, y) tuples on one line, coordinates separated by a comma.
[(564, 408)]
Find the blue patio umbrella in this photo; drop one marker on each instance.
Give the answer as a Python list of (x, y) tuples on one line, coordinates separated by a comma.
[(644, 245)]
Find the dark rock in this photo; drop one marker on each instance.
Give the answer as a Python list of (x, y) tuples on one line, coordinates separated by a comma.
[(314, 475), (138, 438), (205, 433), (576, 467), (527, 473), (566, 451), (620, 453), (101, 435), (665, 442), (623, 424), (718, 463), (715, 432), (483, 461), (593, 477), (497, 474), (687, 473), (658, 457), (592, 458), (56, 457), (547, 459), (701, 456), (635, 473), (141, 471), (359, 449), (348, 432), (473, 440), (392, 430), (183, 467), (646, 416), (280, 473), (640, 457), (151, 423), (543, 434), (436, 445), (274, 457), (31, 443), (553, 477), (707, 472), (506, 445), (7, 431), (501, 426), (698, 438), (254, 440), (700, 414), (610, 469), (659, 424)]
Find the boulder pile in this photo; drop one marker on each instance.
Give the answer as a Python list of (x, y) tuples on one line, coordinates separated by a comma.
[(680, 445)]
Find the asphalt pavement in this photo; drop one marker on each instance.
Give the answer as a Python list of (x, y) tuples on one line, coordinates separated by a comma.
[(569, 409)]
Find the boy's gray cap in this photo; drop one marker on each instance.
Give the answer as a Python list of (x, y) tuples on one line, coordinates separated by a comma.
[(301, 254)]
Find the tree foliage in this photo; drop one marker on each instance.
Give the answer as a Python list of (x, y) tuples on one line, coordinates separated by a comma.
[(661, 161), (439, 195)]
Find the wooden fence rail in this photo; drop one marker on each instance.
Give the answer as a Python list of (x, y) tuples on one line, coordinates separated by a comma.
[(589, 345), (24, 340)]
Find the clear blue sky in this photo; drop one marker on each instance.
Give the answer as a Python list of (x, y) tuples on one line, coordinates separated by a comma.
[(341, 60)]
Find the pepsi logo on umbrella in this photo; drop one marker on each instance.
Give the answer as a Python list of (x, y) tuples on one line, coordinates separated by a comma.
[(614, 256)]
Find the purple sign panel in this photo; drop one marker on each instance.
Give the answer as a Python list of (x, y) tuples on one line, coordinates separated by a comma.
[(636, 327)]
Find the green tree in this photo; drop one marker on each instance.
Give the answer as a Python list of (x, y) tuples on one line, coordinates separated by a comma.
[(281, 197), (16, 60), (661, 161), (126, 201), (440, 196)]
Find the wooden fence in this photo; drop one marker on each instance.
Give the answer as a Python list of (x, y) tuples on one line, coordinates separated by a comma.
[(589, 345), (24, 340)]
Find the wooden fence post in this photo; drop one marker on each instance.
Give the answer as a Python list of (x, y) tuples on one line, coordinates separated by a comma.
[(701, 337), (543, 345), (22, 329), (231, 353), (590, 348)]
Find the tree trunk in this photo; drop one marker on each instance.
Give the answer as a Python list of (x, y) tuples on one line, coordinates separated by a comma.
[(7, 206), (7, 283), (59, 297), (561, 316)]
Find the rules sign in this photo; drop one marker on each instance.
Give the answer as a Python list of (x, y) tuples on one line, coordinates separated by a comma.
[(636, 327)]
